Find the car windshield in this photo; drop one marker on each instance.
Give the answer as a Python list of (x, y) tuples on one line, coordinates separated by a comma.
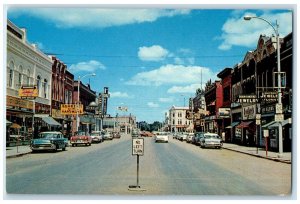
[(95, 134), (81, 133), (48, 135), (212, 136)]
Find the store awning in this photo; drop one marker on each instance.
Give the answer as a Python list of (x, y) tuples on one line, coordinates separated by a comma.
[(244, 124), (50, 121), (276, 124), (268, 124), (15, 126), (233, 124)]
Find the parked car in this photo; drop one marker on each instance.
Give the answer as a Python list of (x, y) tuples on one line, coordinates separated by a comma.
[(189, 137), (48, 141), (211, 140), (135, 134), (196, 138), (81, 137), (182, 136), (107, 136), (97, 137), (116, 135), (162, 137)]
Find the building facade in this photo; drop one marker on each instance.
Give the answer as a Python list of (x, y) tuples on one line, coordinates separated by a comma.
[(214, 100), (86, 96), (27, 66), (224, 111)]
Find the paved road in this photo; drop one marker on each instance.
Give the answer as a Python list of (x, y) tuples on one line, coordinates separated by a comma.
[(174, 168)]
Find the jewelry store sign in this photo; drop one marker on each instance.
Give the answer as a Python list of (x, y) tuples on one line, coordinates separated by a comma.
[(138, 146)]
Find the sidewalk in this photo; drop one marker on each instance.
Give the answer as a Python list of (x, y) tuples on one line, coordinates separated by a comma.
[(286, 156), (17, 151)]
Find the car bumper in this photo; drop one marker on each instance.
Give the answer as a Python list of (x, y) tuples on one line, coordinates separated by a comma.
[(43, 147), (212, 145), (80, 142), (161, 140)]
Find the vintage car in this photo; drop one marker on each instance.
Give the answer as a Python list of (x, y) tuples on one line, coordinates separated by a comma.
[(162, 137), (97, 136), (210, 140), (107, 136), (48, 141), (81, 137), (116, 135), (189, 137)]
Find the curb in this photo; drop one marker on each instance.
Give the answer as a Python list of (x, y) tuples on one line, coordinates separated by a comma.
[(260, 156), (17, 155)]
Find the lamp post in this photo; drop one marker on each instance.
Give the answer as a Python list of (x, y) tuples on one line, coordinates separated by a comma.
[(278, 77), (78, 94)]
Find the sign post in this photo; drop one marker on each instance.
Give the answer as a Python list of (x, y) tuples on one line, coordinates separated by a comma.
[(138, 150)]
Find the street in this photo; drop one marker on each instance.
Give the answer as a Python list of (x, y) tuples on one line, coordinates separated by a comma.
[(174, 168)]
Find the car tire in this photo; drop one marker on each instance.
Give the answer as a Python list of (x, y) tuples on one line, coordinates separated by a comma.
[(64, 148)]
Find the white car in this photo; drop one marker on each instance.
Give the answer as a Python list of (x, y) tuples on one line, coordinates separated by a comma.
[(210, 140), (182, 136), (189, 137), (162, 137), (97, 136), (107, 136)]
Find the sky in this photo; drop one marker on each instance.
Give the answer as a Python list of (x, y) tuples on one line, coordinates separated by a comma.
[(150, 58)]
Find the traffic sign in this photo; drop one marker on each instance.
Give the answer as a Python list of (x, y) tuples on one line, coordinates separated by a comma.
[(138, 146)]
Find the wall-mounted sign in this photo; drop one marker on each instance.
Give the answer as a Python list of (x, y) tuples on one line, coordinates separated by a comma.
[(224, 112), (28, 92), (249, 112), (71, 109)]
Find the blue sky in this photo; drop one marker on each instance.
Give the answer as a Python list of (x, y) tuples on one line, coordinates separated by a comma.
[(150, 59)]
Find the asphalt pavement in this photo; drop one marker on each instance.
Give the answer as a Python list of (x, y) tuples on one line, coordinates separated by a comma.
[(286, 157)]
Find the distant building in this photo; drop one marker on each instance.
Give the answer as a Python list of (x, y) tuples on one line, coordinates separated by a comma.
[(178, 121)]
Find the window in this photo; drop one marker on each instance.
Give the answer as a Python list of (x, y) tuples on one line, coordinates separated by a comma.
[(20, 76), (173, 122), (179, 121), (11, 74), (45, 84), (28, 77), (179, 114), (226, 93), (38, 83)]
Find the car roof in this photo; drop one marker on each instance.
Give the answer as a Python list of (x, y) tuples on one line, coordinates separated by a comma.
[(56, 132)]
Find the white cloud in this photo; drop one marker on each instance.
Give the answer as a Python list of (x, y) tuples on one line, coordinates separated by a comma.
[(152, 105), (153, 53), (238, 32), (184, 89), (96, 17), (90, 66), (172, 74), (166, 100), (119, 94)]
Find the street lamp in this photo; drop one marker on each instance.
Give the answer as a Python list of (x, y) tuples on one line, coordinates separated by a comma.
[(92, 106), (247, 18), (78, 94)]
